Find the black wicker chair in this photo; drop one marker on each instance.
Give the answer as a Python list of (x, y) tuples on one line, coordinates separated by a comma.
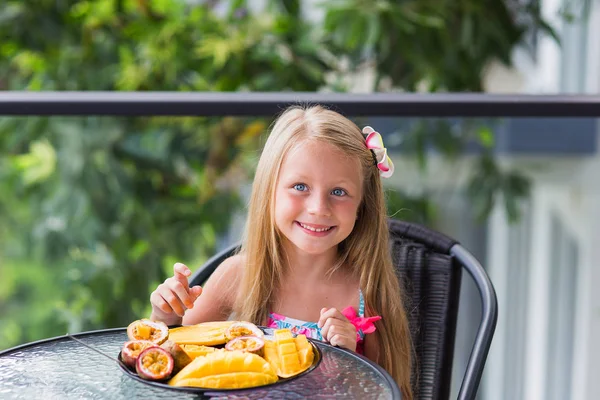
[(430, 266)]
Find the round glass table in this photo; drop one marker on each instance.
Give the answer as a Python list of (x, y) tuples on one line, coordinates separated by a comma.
[(62, 368)]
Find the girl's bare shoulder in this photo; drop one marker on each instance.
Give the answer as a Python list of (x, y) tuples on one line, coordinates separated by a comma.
[(228, 272), (218, 293)]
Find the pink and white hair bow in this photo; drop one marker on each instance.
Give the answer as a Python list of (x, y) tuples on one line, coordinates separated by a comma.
[(375, 144)]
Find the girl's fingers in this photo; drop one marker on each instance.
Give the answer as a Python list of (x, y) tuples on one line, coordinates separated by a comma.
[(173, 301), (334, 326), (195, 291), (330, 313), (343, 341), (166, 304), (325, 329), (181, 273), (181, 291), (339, 335), (159, 303), (336, 329), (174, 296), (337, 340)]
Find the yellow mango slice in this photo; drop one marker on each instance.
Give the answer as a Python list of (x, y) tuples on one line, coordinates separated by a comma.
[(226, 370), (143, 331), (197, 350), (289, 356), (237, 380), (205, 334)]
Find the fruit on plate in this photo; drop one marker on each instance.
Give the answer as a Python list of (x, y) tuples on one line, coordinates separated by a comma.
[(287, 354), (180, 357), (146, 329), (226, 370), (197, 350), (132, 349), (155, 364), (251, 344), (205, 334), (242, 328)]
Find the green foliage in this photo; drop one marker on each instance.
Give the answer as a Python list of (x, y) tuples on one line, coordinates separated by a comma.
[(27, 307), (443, 44), (490, 181), (487, 180), (94, 211)]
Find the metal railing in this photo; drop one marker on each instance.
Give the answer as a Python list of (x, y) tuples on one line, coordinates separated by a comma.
[(270, 104)]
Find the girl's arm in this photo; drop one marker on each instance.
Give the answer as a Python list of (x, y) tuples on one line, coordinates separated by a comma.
[(218, 294)]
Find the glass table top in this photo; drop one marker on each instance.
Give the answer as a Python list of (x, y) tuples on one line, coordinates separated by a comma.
[(61, 368)]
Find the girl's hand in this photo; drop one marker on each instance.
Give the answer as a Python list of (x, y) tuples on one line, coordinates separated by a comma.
[(173, 297), (336, 329)]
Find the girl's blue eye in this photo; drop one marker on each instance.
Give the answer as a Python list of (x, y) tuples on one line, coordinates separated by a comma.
[(338, 192), (301, 187)]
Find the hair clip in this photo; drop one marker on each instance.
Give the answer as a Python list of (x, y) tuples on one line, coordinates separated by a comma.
[(375, 144)]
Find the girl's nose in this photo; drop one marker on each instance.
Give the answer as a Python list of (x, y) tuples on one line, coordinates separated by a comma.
[(319, 205)]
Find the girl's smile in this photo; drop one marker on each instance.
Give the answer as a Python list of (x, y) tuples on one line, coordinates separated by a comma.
[(315, 230)]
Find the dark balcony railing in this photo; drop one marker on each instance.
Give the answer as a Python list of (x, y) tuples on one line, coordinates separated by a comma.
[(269, 104)]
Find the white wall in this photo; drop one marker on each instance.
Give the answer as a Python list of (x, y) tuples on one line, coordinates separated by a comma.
[(592, 83), (572, 66)]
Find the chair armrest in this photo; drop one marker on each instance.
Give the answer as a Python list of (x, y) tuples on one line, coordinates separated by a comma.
[(489, 317)]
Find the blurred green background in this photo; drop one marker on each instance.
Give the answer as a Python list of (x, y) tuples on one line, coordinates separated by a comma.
[(95, 211)]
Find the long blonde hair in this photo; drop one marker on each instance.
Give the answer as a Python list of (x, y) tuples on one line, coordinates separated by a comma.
[(365, 250)]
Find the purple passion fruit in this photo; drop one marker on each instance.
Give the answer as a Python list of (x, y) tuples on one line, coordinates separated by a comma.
[(180, 357), (154, 364), (249, 344), (241, 328), (132, 349), (145, 329)]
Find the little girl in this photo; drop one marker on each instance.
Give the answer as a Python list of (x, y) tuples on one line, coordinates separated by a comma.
[(315, 255)]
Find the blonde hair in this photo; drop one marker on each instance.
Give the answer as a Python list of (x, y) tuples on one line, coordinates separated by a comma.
[(365, 250)]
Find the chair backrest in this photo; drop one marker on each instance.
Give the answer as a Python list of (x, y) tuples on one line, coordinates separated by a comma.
[(429, 265), (431, 281)]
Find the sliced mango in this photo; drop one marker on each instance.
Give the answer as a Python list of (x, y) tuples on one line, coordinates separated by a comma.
[(197, 350), (288, 355), (205, 334), (229, 381), (144, 331), (226, 370)]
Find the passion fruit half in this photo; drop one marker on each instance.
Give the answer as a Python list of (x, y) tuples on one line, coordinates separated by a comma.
[(249, 344), (132, 349), (154, 364), (242, 328), (146, 329), (180, 357)]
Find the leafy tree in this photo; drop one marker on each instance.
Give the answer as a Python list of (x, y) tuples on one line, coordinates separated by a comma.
[(94, 211)]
